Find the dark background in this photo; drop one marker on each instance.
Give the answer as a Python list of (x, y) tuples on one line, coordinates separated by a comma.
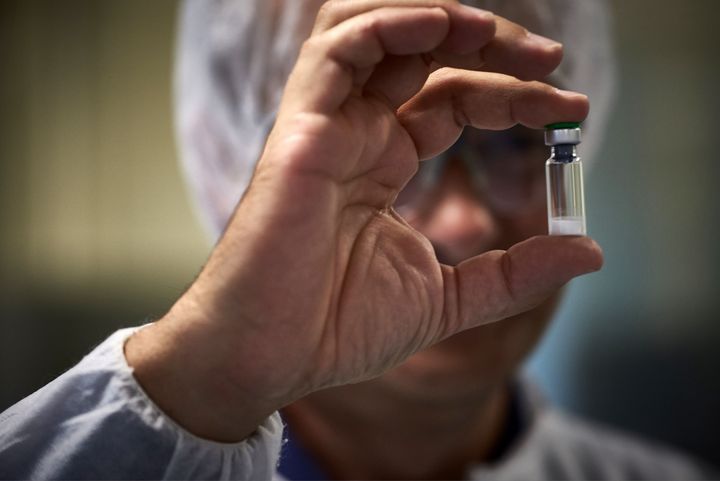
[(97, 233)]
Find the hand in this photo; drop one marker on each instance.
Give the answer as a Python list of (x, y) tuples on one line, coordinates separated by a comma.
[(317, 281)]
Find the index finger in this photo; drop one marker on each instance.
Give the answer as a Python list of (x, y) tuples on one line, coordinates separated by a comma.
[(470, 27), (452, 99), (476, 38)]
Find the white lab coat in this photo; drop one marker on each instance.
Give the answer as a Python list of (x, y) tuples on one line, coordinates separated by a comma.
[(96, 422)]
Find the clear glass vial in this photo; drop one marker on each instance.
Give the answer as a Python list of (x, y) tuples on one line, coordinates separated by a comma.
[(563, 174)]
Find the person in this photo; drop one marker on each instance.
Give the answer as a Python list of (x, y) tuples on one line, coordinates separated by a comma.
[(320, 298)]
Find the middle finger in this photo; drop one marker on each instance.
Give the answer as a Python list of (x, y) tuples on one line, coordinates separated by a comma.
[(491, 43)]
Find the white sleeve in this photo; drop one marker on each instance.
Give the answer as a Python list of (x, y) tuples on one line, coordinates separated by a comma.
[(96, 422)]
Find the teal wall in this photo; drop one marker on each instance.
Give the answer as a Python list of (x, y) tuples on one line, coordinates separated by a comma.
[(635, 344)]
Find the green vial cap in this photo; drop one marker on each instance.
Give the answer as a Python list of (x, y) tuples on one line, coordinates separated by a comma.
[(563, 125)]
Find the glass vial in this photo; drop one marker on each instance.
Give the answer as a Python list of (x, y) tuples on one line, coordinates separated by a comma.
[(563, 174)]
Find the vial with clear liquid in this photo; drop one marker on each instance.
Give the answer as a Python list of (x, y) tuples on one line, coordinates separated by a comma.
[(563, 174)]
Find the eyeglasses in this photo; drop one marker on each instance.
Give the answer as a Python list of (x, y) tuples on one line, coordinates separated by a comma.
[(506, 168)]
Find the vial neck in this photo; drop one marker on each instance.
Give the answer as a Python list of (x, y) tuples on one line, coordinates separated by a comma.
[(565, 153)]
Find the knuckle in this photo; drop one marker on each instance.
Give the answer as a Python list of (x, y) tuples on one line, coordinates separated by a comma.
[(536, 87), (311, 45), (329, 13), (308, 45), (544, 88), (446, 76), (367, 25), (447, 3), (326, 9)]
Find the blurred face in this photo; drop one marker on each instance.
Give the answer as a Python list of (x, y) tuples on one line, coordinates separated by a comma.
[(485, 193)]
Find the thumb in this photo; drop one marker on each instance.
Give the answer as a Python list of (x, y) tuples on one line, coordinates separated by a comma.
[(500, 284)]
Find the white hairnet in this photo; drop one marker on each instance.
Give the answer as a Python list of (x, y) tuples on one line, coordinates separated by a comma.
[(234, 57)]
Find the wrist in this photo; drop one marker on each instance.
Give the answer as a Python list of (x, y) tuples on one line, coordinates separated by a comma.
[(182, 367)]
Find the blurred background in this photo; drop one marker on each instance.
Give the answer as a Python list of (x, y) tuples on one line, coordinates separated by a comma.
[(97, 231)]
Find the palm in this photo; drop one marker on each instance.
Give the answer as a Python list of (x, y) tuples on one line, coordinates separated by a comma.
[(376, 280), (387, 283)]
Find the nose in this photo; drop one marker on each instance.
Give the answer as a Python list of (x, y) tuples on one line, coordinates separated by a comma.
[(459, 224)]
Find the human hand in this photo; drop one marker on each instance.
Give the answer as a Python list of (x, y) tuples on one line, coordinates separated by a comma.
[(317, 281)]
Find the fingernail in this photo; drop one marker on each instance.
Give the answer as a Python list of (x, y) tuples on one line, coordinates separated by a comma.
[(542, 41), (570, 94)]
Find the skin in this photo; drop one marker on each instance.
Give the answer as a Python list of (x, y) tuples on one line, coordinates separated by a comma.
[(319, 283), (444, 407)]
